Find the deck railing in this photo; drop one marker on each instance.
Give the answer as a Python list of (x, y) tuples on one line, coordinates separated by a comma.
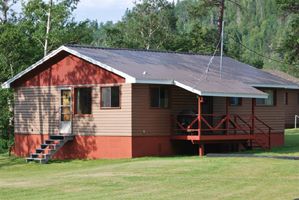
[(232, 124)]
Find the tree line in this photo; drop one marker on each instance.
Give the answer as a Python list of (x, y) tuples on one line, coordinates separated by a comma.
[(263, 33)]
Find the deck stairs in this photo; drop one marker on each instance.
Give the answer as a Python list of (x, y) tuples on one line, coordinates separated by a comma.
[(48, 149)]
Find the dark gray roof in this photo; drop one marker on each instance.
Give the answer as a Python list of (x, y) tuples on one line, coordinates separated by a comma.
[(188, 69), (185, 70), (283, 75)]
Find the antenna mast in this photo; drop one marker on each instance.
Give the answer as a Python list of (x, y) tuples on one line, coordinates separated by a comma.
[(221, 51)]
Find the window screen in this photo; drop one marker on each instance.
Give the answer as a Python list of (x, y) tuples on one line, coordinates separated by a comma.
[(267, 102), (83, 100), (110, 97), (159, 97), (235, 101)]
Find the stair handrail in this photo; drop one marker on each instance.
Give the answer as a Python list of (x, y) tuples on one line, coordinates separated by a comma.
[(266, 134), (244, 121)]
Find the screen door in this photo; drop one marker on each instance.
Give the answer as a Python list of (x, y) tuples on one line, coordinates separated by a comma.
[(66, 112)]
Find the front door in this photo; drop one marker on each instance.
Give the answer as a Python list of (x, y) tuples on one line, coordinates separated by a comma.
[(65, 127)]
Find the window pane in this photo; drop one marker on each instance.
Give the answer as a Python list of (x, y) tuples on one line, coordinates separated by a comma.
[(115, 97), (163, 98), (83, 100), (155, 97), (106, 97), (235, 101), (110, 97), (66, 97), (269, 101), (260, 101), (65, 117), (66, 110)]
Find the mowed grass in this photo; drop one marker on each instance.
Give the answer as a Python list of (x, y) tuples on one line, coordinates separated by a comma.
[(291, 147), (153, 178)]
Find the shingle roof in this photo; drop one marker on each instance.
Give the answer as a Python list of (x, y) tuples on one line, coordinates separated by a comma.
[(182, 69), (283, 75)]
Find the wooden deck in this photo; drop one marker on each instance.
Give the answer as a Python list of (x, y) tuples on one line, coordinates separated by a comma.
[(214, 137)]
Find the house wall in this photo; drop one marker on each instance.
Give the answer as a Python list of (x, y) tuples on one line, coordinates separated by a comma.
[(37, 112), (107, 133), (292, 108), (152, 127)]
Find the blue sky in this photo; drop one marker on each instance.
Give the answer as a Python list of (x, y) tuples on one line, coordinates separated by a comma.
[(100, 10)]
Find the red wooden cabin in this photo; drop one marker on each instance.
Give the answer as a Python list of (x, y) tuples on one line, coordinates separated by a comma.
[(85, 102)]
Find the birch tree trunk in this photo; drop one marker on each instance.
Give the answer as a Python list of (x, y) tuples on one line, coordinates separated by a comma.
[(48, 28), (4, 9)]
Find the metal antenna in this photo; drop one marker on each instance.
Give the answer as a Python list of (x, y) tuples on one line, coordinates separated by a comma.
[(221, 52)]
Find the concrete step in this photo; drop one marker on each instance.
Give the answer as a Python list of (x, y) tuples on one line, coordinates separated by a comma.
[(48, 151), (61, 137), (40, 155), (51, 141), (40, 160), (49, 148)]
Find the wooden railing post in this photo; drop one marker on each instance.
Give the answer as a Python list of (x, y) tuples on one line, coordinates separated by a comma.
[(269, 138), (253, 103), (253, 115), (199, 100), (201, 149), (227, 115)]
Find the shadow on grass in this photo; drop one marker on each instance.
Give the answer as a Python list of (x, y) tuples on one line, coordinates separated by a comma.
[(8, 161), (59, 161)]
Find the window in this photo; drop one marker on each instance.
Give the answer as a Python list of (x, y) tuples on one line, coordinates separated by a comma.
[(110, 97), (270, 101), (235, 101), (286, 99), (159, 97), (83, 101)]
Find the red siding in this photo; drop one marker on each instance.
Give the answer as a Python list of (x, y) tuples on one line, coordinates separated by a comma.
[(82, 147), (151, 146), (277, 139), (66, 69), (94, 147)]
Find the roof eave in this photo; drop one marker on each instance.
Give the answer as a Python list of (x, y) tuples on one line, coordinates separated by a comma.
[(8, 83), (241, 95), (275, 86), (201, 93)]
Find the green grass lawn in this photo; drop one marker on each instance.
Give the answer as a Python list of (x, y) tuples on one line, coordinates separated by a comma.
[(291, 147), (155, 178)]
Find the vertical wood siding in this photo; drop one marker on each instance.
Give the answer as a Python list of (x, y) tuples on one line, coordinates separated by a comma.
[(37, 112)]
